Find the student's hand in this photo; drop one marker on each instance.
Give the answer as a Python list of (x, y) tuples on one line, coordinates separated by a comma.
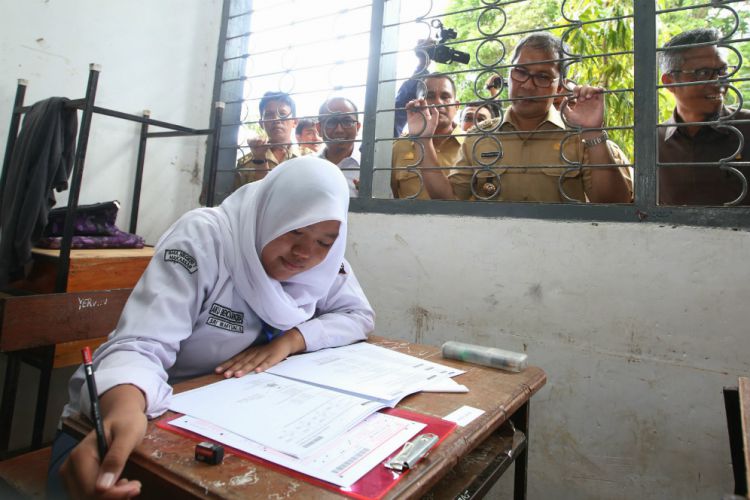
[(585, 108), (421, 119), (261, 358), (259, 146), (83, 475)]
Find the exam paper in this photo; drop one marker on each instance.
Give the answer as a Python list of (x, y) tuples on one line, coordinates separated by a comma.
[(342, 461), (445, 384), (364, 369), (283, 414), (399, 357)]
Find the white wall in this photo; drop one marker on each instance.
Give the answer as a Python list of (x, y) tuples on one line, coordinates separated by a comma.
[(154, 55), (157, 55), (637, 326)]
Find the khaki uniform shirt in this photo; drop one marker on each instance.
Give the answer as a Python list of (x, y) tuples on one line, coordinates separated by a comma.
[(407, 153), (512, 163), (247, 171)]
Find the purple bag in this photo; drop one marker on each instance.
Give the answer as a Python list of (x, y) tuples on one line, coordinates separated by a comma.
[(94, 227)]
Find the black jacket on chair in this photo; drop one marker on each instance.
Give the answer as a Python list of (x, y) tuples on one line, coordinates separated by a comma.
[(42, 160)]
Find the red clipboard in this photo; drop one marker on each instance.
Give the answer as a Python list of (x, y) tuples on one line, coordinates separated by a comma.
[(373, 485)]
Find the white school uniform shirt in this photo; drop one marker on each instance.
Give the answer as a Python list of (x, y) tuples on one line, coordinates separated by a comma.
[(350, 162), (187, 313)]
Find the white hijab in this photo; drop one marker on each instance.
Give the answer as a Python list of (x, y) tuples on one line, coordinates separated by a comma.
[(297, 193)]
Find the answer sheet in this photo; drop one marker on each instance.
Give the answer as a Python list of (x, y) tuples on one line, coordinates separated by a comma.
[(342, 461), (283, 414), (365, 370)]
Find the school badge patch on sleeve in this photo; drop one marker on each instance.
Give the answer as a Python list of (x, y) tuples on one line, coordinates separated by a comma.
[(182, 258), (225, 318)]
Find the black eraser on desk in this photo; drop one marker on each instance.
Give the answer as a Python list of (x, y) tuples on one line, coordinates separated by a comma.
[(210, 453)]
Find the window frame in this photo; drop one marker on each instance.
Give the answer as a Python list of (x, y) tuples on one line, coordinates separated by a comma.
[(645, 100)]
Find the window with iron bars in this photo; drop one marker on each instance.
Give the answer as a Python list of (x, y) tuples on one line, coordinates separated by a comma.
[(363, 54)]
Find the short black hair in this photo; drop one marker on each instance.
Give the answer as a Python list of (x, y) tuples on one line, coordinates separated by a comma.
[(277, 96), (549, 43), (441, 75), (303, 124), (672, 60)]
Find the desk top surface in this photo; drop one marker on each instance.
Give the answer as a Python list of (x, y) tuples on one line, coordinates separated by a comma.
[(170, 456), (99, 253)]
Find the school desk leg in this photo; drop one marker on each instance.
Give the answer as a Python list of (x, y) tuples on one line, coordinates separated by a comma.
[(734, 427), (8, 404), (521, 420), (47, 355)]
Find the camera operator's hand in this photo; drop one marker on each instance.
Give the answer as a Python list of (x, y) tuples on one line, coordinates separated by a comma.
[(494, 84), (422, 50), (421, 119)]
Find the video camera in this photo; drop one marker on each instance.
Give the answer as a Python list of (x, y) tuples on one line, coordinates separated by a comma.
[(442, 53)]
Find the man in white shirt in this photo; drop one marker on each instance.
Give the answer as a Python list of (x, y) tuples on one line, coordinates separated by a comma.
[(338, 125)]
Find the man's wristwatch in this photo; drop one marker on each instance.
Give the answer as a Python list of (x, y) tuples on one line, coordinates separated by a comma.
[(590, 143), (257, 161)]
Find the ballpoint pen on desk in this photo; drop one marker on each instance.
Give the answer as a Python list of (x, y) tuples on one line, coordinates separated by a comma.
[(96, 414)]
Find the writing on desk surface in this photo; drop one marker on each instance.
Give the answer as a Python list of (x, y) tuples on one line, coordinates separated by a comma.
[(90, 302)]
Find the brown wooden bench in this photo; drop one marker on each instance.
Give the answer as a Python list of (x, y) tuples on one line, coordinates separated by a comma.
[(25, 476)]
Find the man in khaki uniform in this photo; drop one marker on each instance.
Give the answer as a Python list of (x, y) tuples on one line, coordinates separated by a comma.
[(443, 141), (308, 138), (529, 154), (277, 117)]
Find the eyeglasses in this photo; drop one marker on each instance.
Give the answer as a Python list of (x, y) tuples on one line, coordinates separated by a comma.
[(541, 80), (275, 115), (346, 122), (701, 74), (469, 117)]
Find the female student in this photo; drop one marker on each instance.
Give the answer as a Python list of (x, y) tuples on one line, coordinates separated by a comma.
[(232, 289)]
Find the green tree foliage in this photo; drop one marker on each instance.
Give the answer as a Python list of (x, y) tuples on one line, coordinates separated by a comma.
[(599, 34)]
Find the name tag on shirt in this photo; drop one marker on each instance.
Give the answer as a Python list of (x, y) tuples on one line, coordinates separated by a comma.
[(492, 154)]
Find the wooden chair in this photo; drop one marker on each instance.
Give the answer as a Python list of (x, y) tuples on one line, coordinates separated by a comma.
[(47, 331)]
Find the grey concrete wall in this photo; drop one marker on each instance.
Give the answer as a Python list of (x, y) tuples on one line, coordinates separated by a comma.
[(637, 326)]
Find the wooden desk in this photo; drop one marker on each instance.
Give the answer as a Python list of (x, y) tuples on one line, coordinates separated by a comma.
[(94, 269), (164, 460)]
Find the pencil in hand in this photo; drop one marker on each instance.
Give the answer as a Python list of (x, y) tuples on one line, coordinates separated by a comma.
[(96, 413)]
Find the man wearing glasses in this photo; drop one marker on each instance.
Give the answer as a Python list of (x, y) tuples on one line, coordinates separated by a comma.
[(339, 125), (277, 118), (521, 156), (473, 115), (431, 142), (694, 56)]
